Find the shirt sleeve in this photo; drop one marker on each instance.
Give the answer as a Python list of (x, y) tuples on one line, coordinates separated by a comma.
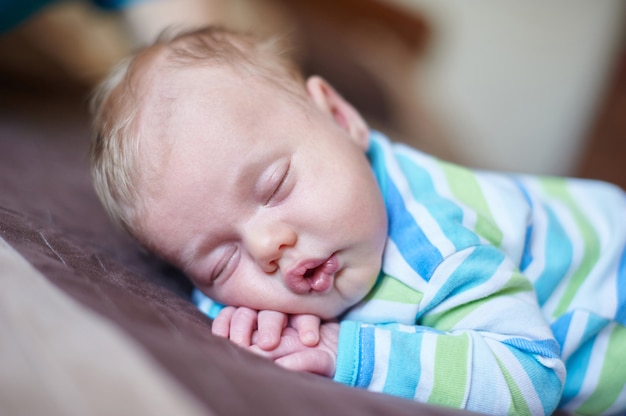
[(480, 343), (205, 304)]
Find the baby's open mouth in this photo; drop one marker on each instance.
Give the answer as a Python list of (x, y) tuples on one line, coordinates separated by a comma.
[(310, 272), (313, 275)]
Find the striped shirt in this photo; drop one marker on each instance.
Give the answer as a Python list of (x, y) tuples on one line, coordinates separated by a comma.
[(493, 287)]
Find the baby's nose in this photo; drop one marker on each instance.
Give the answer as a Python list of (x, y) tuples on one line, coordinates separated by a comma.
[(267, 242)]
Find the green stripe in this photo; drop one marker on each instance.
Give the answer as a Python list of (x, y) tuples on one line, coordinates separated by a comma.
[(465, 187), (557, 188), (612, 378), (391, 289), (447, 320), (451, 375), (518, 404)]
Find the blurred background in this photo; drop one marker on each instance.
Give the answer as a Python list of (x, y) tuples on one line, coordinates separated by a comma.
[(531, 86)]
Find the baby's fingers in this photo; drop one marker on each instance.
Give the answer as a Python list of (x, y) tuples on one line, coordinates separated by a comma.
[(270, 328), (288, 344), (221, 323), (308, 327), (242, 325), (311, 361)]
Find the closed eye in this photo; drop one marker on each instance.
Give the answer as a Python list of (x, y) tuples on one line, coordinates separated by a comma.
[(279, 189), (224, 264)]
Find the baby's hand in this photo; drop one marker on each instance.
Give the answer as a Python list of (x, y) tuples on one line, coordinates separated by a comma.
[(236, 324), (245, 326), (293, 354), (307, 327)]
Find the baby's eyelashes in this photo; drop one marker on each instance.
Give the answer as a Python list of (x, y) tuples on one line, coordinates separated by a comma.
[(279, 185), (225, 262)]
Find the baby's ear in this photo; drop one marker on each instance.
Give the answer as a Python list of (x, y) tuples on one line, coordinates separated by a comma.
[(343, 113)]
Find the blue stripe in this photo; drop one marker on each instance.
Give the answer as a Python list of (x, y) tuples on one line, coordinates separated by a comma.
[(545, 384), (595, 324), (579, 361), (412, 243), (576, 370), (620, 315), (376, 156), (477, 268), (527, 255), (557, 258), (403, 375), (205, 304), (449, 216), (560, 327), (546, 348), (364, 377)]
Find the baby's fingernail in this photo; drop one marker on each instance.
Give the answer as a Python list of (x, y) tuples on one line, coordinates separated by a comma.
[(310, 338)]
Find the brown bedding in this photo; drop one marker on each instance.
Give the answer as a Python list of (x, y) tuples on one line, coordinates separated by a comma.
[(89, 324)]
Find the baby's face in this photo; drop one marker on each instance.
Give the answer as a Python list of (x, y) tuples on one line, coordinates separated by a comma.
[(263, 200)]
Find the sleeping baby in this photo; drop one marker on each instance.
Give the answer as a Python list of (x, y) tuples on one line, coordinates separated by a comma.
[(338, 252)]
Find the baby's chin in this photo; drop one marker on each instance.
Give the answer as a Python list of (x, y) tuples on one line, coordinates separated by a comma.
[(329, 311), (329, 315)]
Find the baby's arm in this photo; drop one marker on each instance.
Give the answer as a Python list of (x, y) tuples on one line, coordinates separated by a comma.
[(245, 326), (480, 342)]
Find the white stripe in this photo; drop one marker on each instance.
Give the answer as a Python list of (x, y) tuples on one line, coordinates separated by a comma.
[(440, 182), (519, 376), (502, 316), (594, 369), (377, 311), (420, 214), (573, 234), (603, 205), (427, 364), (575, 333), (382, 351), (441, 276), (509, 210), (598, 207), (429, 226), (495, 282), (539, 219), (395, 265), (485, 396)]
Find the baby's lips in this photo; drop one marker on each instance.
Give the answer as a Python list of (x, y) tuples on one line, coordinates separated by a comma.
[(319, 280), (322, 283), (322, 279), (295, 280)]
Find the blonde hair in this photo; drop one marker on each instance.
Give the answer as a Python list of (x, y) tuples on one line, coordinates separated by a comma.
[(115, 103)]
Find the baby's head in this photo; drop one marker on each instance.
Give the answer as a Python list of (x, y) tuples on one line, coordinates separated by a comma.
[(214, 152)]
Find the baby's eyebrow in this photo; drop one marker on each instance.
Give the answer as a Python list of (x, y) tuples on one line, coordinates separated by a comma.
[(188, 257), (250, 173), (189, 254)]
